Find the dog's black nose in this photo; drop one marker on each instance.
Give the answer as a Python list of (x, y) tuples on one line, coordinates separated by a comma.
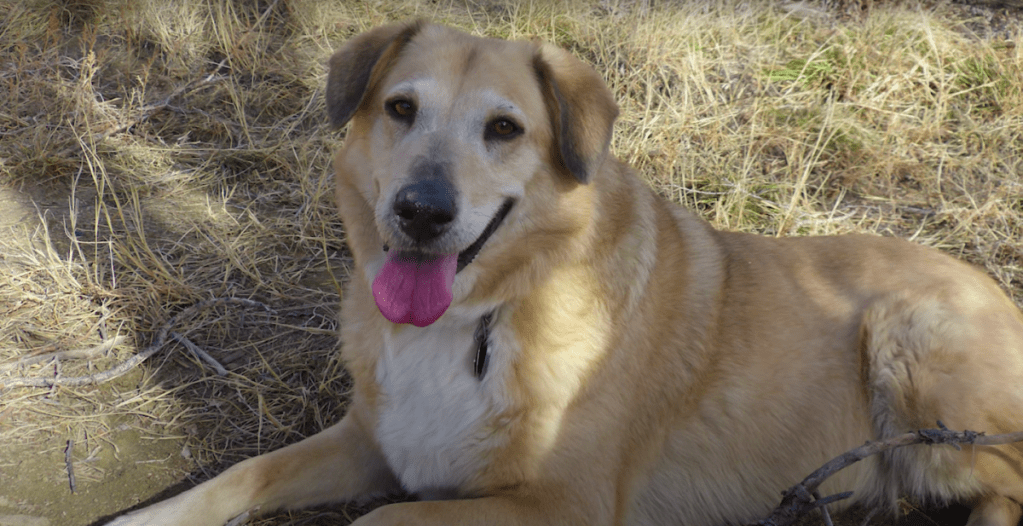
[(425, 209)]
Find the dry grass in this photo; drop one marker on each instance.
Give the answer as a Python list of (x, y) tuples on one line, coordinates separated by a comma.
[(157, 154)]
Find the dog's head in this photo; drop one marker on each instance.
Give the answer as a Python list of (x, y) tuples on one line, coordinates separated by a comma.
[(459, 145)]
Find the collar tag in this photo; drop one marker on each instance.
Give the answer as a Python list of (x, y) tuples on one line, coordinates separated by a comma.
[(482, 337)]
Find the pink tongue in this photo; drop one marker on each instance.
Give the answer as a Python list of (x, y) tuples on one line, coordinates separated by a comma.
[(410, 290)]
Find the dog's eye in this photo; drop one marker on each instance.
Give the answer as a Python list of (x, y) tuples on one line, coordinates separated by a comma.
[(401, 109), (502, 129)]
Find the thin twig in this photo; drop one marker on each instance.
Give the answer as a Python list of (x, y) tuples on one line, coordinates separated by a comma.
[(199, 353), (127, 365), (799, 499), (824, 509)]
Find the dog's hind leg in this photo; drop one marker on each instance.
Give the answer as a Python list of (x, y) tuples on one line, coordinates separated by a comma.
[(953, 354), (995, 510)]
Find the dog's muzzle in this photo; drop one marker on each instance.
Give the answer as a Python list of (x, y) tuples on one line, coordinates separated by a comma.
[(415, 284)]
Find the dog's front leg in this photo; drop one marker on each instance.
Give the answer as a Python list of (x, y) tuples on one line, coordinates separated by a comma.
[(546, 507), (340, 463)]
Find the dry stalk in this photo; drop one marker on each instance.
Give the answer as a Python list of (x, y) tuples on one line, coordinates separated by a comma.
[(199, 353)]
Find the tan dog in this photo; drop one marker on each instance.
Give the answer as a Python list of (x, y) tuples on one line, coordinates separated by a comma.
[(551, 343)]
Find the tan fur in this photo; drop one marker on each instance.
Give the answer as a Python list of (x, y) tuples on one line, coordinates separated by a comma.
[(645, 369)]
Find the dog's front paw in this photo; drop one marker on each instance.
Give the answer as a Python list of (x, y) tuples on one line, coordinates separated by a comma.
[(156, 515), (143, 517), (182, 510)]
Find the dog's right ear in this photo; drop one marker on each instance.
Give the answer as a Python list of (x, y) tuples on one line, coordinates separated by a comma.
[(359, 63), (582, 111)]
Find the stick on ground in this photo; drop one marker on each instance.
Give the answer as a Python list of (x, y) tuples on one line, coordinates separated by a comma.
[(127, 365), (800, 499), (70, 466)]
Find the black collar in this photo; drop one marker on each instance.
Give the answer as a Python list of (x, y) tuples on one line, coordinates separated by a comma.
[(482, 337)]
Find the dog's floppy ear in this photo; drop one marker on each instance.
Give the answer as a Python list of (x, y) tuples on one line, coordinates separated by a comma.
[(353, 66), (581, 108)]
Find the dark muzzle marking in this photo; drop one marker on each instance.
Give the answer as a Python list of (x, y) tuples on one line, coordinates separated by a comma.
[(469, 254)]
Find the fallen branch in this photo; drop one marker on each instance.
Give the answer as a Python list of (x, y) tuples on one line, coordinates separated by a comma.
[(127, 365), (802, 498), (75, 354)]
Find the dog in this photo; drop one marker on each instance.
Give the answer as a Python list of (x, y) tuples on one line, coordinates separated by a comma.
[(535, 337)]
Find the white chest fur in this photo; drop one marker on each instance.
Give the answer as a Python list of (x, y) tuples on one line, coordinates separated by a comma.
[(433, 410)]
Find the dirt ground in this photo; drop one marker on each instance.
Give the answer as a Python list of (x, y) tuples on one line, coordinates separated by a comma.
[(119, 459), (35, 489)]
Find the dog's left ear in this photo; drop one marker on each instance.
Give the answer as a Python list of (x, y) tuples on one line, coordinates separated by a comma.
[(581, 108), (352, 67)]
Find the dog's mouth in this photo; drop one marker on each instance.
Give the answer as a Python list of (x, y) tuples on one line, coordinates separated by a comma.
[(415, 287), (466, 256)]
